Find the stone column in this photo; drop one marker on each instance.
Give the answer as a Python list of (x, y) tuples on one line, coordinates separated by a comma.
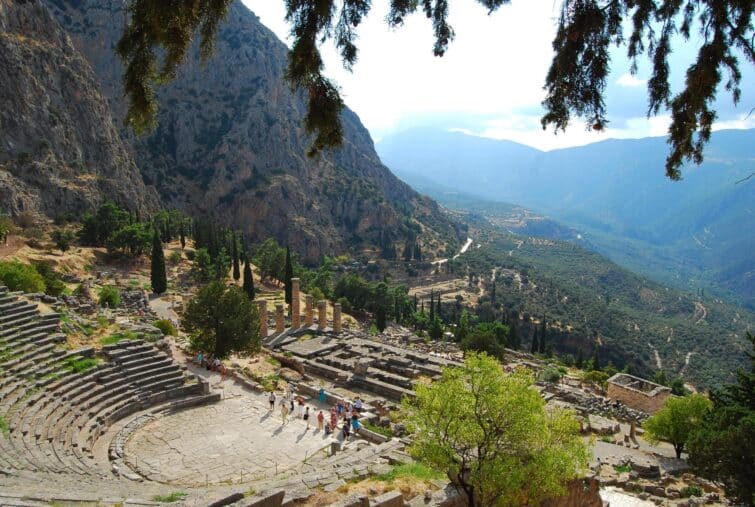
[(263, 317), (322, 315), (280, 323), (337, 317), (295, 310), (309, 311)]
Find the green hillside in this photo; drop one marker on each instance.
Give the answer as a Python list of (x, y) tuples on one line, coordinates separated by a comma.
[(589, 301)]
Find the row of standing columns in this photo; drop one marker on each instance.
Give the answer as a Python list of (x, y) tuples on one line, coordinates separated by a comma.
[(295, 311)]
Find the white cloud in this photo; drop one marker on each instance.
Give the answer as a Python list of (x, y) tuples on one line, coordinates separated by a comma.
[(630, 81), (493, 71)]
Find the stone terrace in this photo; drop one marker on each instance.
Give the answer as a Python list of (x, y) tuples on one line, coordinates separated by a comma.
[(56, 414), (354, 361)]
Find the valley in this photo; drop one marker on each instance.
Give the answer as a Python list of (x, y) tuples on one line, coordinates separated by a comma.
[(219, 312)]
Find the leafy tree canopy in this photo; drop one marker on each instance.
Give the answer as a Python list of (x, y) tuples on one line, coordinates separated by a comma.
[(575, 83), (677, 420), (491, 432), (222, 320)]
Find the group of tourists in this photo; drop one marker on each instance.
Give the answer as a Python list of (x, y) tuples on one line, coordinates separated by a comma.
[(208, 362), (295, 406)]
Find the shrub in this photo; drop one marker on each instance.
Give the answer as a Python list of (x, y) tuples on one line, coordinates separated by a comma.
[(63, 238), (692, 491), (550, 374), (80, 365), (410, 470), (175, 257), (54, 285), (110, 296), (166, 327), (19, 276), (173, 497)]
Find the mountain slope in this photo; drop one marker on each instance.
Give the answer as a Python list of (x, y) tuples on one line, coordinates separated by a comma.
[(230, 143), (59, 150), (687, 233)]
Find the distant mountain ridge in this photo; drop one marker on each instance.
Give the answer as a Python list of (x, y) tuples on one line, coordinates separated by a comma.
[(688, 233), (230, 144)]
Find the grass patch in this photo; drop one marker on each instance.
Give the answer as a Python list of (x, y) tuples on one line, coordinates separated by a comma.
[(622, 469), (380, 430), (410, 470), (250, 492), (80, 365), (273, 361), (270, 383), (606, 439), (4, 427), (116, 337), (175, 496)]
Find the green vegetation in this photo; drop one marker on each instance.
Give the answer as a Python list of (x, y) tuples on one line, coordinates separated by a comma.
[(63, 238), (722, 448), (4, 427), (410, 470), (587, 297), (158, 278), (109, 296), (274, 362), (248, 283), (80, 365), (622, 469), (19, 276), (689, 491), (166, 327), (678, 419), (116, 337), (54, 285), (222, 320), (530, 453), (380, 430), (174, 496)]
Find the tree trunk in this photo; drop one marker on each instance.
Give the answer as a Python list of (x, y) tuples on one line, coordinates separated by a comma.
[(678, 448)]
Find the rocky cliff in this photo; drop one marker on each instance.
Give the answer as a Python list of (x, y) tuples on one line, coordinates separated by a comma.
[(59, 150), (230, 143)]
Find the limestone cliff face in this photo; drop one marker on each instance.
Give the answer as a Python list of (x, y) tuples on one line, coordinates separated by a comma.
[(230, 143), (59, 150)]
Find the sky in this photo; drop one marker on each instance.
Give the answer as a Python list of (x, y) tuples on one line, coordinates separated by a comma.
[(490, 82)]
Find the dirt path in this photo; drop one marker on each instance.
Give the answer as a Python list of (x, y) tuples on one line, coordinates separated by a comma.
[(700, 312), (11, 246), (658, 362)]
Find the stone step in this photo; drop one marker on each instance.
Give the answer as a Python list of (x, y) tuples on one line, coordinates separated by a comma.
[(30, 326), (16, 317), (6, 306), (135, 364)]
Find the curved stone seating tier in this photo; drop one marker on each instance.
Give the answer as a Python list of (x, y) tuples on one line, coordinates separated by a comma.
[(55, 415)]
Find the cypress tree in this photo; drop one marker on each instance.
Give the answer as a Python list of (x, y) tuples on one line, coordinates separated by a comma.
[(534, 347), (158, 276), (248, 283), (513, 337), (596, 360), (438, 310), (235, 255), (182, 234), (542, 336), (492, 290), (288, 275), (380, 319), (432, 307)]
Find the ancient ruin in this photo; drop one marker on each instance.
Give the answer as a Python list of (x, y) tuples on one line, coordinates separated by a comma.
[(637, 393)]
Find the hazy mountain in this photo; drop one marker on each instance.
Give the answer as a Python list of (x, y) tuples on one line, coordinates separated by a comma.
[(59, 150), (689, 233), (230, 143)]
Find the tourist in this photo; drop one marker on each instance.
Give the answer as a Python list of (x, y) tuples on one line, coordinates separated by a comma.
[(320, 420), (355, 423), (328, 429), (348, 413), (284, 412), (306, 416), (199, 359), (321, 395), (345, 430), (358, 404), (291, 400), (272, 400), (339, 407), (333, 418), (216, 364), (300, 400)]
